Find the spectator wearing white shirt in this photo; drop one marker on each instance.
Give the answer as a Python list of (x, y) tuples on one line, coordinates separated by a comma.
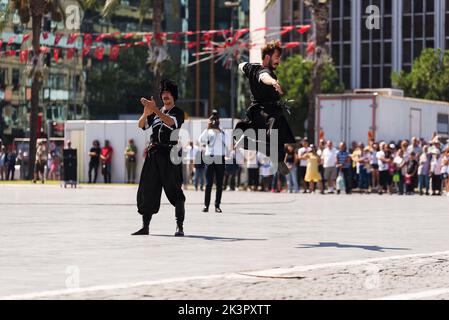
[(252, 164), (329, 158), (423, 171), (215, 140), (415, 147), (266, 172), (383, 160), (445, 170), (189, 158), (435, 172)]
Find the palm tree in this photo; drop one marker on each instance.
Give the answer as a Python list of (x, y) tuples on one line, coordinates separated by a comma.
[(34, 10), (319, 10)]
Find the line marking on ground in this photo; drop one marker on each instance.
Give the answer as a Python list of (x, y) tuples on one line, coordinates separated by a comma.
[(416, 295), (235, 275)]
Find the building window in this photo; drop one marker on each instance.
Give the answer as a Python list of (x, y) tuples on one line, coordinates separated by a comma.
[(57, 81), (443, 124), (377, 47), (417, 29), (3, 78), (15, 79)]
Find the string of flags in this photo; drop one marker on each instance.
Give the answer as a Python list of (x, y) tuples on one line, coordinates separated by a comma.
[(232, 44)]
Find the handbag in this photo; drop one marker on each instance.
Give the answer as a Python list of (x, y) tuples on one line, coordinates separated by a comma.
[(396, 177)]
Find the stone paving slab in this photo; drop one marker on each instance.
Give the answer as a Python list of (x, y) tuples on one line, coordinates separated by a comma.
[(54, 239)]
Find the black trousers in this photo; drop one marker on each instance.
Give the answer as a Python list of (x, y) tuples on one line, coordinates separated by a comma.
[(436, 183), (214, 171), (347, 175), (268, 117), (253, 177), (93, 167), (158, 173), (384, 179)]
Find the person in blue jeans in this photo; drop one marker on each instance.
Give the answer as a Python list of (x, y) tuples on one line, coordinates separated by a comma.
[(364, 166), (200, 169), (344, 163), (292, 176), (423, 171)]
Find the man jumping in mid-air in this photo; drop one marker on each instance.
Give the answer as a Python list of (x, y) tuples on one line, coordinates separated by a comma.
[(265, 111)]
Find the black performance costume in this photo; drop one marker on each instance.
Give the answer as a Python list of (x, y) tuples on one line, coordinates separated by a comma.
[(265, 111), (159, 172)]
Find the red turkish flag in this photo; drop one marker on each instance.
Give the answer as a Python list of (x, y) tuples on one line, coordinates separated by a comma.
[(45, 35), (129, 44), (310, 48), (192, 44), (87, 40), (240, 33), (56, 54), (304, 29), (23, 56), (86, 51), (160, 37), (286, 30), (11, 40), (290, 45), (128, 35), (25, 38), (58, 38), (113, 54), (100, 37), (149, 37), (70, 53), (99, 53), (139, 43), (72, 38)]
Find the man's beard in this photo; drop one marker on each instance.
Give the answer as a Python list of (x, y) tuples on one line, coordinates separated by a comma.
[(271, 66)]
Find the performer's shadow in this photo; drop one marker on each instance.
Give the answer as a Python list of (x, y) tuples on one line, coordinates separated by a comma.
[(350, 246), (210, 238)]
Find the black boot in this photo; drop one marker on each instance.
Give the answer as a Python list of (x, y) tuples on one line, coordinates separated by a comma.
[(180, 214), (145, 231)]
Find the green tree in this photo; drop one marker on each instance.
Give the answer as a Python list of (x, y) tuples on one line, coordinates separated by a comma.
[(295, 76), (116, 87), (428, 78)]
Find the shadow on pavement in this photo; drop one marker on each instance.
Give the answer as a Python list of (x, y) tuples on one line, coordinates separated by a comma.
[(210, 238), (350, 246)]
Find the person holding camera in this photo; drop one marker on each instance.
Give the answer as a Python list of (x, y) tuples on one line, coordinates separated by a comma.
[(215, 140)]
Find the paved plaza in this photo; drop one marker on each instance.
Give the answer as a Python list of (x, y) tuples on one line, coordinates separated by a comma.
[(76, 244)]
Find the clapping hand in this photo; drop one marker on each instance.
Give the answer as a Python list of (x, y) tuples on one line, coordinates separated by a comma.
[(149, 106)]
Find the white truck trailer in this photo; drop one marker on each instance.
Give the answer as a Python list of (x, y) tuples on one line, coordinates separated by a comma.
[(381, 115)]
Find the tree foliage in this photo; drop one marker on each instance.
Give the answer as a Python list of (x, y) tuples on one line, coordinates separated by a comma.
[(428, 78), (295, 78)]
